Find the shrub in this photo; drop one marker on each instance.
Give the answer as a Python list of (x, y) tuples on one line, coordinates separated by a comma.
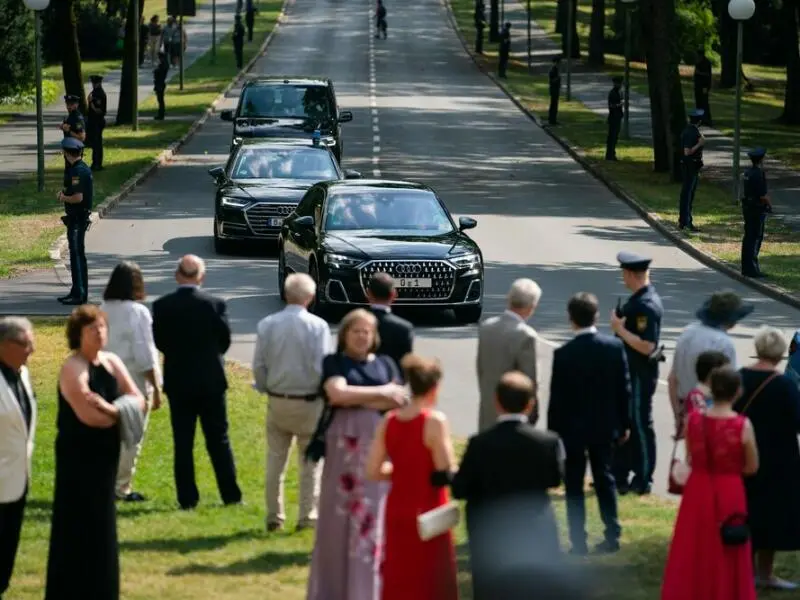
[(97, 33), (16, 47), (696, 28)]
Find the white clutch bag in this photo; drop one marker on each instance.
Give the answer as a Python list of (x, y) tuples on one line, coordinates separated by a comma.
[(681, 472), (438, 521)]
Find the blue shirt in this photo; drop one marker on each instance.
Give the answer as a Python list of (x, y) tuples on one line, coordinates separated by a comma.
[(78, 180), (689, 138), (755, 183), (643, 313)]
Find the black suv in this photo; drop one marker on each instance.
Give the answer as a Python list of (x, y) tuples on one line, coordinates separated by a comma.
[(292, 107)]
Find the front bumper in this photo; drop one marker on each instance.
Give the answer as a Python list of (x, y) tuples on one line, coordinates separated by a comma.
[(260, 221)]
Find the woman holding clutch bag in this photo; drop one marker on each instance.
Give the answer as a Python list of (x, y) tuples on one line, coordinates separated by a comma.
[(411, 447)]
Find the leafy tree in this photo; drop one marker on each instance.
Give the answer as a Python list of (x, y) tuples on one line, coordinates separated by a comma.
[(16, 47), (71, 69)]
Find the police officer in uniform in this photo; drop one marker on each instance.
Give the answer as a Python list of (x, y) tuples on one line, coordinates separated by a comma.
[(480, 24), (505, 50), (755, 207), (702, 86), (614, 118), (73, 124), (77, 199), (160, 84), (692, 142), (638, 324), (555, 90), (238, 41), (96, 121)]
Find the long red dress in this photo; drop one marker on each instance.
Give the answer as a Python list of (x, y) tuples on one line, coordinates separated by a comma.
[(413, 569), (699, 565)]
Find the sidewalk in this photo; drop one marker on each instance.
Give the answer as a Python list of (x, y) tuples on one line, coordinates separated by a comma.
[(591, 89), (18, 137)]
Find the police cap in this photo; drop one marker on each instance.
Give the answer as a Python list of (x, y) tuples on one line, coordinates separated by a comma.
[(696, 113), (72, 99), (757, 153), (633, 262), (617, 79), (96, 78), (71, 143)]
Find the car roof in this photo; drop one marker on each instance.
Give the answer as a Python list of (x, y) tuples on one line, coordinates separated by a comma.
[(365, 185), (281, 143), (288, 80)]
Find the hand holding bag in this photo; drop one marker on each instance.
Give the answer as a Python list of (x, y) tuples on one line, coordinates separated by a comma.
[(678, 473), (438, 521)]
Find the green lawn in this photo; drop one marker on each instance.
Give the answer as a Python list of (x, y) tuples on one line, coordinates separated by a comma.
[(719, 220), (29, 220)]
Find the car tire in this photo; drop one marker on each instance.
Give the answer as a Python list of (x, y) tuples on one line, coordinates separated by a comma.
[(468, 314), (281, 273), (220, 246)]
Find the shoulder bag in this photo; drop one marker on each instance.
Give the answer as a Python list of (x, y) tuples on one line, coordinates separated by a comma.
[(757, 392)]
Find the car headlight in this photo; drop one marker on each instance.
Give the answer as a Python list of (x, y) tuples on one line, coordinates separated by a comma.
[(234, 202), (340, 261), (466, 261)]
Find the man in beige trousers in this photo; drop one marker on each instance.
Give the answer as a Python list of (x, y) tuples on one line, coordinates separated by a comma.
[(507, 343), (287, 366)]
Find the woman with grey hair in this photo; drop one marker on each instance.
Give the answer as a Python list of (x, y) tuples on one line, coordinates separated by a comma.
[(772, 403)]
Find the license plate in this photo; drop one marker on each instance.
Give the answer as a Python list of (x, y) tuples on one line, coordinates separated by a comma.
[(274, 222), (416, 283)]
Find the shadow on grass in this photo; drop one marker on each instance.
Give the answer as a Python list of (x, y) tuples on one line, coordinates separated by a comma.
[(38, 510), (188, 545), (266, 562)]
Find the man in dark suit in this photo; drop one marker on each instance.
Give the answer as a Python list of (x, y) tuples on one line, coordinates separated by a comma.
[(191, 329), (504, 476), (590, 400), (397, 334)]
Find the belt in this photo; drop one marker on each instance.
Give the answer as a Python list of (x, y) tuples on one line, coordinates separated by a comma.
[(306, 397)]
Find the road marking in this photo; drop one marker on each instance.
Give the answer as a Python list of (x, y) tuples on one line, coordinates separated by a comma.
[(373, 99)]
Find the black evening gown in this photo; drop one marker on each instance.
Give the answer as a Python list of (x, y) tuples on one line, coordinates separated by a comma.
[(84, 555)]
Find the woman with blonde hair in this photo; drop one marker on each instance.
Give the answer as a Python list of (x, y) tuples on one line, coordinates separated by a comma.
[(358, 385), (771, 401)]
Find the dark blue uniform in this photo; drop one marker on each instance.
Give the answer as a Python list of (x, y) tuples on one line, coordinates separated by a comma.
[(480, 23), (78, 180), (76, 123), (96, 122), (238, 42), (554, 78), (754, 212), (504, 50), (615, 114), (690, 170)]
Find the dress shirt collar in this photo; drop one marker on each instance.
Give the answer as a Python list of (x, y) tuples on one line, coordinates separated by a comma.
[(512, 417), (383, 307), (514, 315), (586, 330), (294, 308)]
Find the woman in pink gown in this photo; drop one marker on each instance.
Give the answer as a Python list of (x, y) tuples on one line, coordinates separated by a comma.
[(721, 449)]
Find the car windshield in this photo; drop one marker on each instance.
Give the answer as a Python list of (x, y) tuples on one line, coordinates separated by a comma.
[(403, 211), (312, 164), (286, 101)]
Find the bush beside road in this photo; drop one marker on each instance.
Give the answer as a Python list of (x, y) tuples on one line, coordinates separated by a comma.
[(585, 132), (30, 221)]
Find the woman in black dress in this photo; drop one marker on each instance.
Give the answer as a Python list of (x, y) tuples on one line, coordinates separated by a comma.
[(84, 556), (772, 403)]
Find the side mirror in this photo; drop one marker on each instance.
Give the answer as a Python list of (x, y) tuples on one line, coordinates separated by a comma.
[(466, 223), (351, 174), (226, 115), (345, 116), (306, 222), (217, 173)]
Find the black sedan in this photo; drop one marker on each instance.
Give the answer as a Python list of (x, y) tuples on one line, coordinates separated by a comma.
[(263, 182), (343, 232)]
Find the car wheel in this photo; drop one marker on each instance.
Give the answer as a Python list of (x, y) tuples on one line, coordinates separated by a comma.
[(319, 308), (281, 273), (468, 314), (220, 246)]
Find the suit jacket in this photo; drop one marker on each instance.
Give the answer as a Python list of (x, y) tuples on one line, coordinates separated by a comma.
[(590, 390), (504, 476), (397, 334), (190, 327), (16, 441), (505, 343)]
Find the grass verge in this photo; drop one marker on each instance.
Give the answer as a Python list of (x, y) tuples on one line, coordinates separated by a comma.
[(719, 220), (29, 220)]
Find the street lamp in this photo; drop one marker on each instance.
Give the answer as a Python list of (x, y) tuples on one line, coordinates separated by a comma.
[(136, 42), (740, 11), (626, 132), (37, 6), (213, 32), (530, 52), (569, 48)]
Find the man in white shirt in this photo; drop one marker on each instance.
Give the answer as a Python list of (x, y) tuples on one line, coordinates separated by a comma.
[(287, 366), (718, 315)]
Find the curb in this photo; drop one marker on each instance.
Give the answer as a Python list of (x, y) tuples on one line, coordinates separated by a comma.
[(58, 248), (653, 221)]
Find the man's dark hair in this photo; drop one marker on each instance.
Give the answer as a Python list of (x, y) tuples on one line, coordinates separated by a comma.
[(707, 362), (725, 383), (126, 283), (582, 309), (381, 286), (514, 391)]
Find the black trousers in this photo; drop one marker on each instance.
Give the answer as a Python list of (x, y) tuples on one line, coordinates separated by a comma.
[(238, 51), (161, 106), (479, 40), (79, 268), (249, 21), (552, 115), (754, 222), (638, 455), (212, 413), (599, 456), (11, 514), (502, 64), (614, 125), (691, 177), (94, 135)]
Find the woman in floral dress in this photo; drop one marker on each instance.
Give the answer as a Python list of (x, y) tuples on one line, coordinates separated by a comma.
[(359, 385)]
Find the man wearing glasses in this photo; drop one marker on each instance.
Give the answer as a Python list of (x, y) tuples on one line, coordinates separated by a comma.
[(17, 424)]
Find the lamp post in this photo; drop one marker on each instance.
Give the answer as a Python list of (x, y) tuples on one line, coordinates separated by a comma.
[(136, 41), (629, 7), (180, 43), (37, 6), (569, 48), (740, 11), (213, 32), (530, 53)]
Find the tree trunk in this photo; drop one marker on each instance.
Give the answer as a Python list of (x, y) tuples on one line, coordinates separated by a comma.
[(791, 43), (727, 41), (561, 16), (494, 20), (576, 43), (70, 50), (597, 33), (130, 62)]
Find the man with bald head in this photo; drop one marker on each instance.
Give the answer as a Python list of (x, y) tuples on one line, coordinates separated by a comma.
[(191, 329)]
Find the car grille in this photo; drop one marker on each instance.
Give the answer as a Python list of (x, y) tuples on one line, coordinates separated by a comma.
[(441, 274), (259, 214)]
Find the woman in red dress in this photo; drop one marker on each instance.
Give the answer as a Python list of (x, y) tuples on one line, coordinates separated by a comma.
[(412, 444), (721, 449)]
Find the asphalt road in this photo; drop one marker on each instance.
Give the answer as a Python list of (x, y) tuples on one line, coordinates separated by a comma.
[(438, 120)]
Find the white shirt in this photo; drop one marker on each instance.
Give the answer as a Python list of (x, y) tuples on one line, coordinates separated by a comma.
[(696, 339), (585, 330), (290, 347), (130, 336), (511, 313)]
